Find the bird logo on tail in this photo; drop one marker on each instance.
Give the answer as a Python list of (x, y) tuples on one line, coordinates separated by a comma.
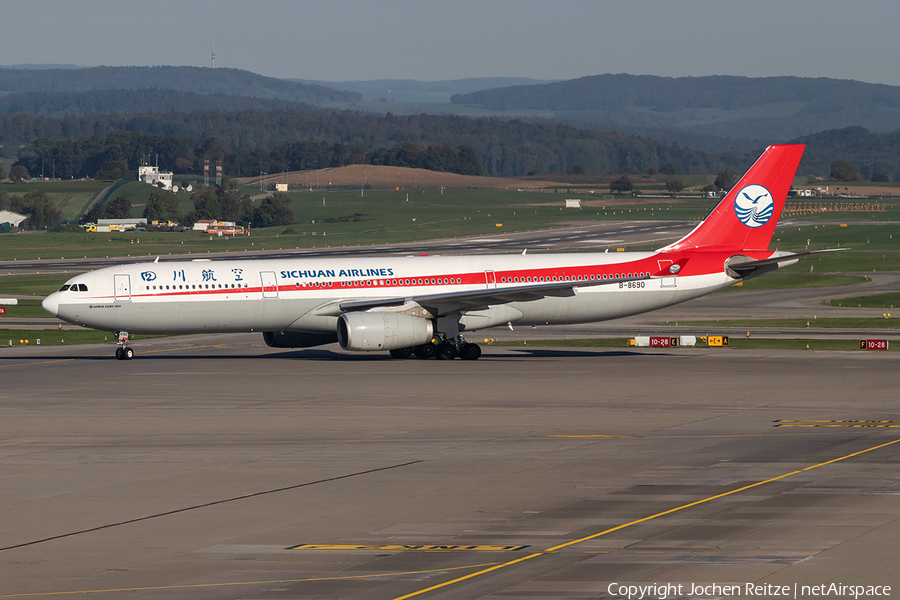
[(754, 205)]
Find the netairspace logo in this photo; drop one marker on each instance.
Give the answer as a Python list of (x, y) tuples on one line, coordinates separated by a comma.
[(662, 591), (754, 205)]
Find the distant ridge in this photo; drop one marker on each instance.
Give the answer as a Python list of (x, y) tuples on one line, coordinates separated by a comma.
[(77, 104), (39, 67), (411, 90), (772, 108), (199, 80)]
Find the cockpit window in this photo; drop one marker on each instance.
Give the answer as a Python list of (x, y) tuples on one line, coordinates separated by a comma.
[(82, 287), (64, 287)]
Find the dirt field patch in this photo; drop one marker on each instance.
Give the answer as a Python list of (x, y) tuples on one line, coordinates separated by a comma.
[(380, 177)]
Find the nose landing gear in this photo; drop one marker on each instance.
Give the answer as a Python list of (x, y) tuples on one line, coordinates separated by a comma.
[(123, 352)]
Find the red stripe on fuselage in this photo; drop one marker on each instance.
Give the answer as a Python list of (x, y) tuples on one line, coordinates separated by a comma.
[(694, 263)]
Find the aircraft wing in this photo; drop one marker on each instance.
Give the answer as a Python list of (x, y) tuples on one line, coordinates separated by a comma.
[(452, 302)]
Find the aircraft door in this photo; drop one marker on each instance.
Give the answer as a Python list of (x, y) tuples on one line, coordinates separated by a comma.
[(122, 287), (269, 284), (490, 279)]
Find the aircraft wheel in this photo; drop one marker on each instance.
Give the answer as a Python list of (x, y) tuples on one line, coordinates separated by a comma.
[(127, 354), (446, 350), (401, 352), (425, 350), (470, 351), (119, 354)]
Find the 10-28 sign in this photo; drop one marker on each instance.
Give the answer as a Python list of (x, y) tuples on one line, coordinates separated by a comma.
[(873, 344)]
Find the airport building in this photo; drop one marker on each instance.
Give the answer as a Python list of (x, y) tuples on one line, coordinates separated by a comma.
[(14, 219), (154, 176)]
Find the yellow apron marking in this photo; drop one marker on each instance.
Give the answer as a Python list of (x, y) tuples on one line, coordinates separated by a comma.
[(214, 585), (835, 423), (407, 547), (590, 436), (638, 521)]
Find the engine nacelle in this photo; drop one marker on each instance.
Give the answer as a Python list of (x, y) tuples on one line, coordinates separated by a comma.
[(297, 339), (366, 331)]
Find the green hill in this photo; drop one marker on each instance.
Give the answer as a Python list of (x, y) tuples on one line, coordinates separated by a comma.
[(199, 80), (771, 108), (65, 104)]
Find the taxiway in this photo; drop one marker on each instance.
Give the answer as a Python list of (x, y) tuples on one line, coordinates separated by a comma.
[(215, 467)]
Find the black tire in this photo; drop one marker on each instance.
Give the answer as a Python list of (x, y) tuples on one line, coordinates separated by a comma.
[(470, 351), (128, 354), (425, 350), (119, 353), (401, 352), (446, 350)]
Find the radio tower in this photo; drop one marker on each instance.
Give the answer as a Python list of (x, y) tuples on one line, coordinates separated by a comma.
[(213, 52)]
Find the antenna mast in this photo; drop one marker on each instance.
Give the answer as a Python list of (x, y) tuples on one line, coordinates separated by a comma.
[(213, 51)]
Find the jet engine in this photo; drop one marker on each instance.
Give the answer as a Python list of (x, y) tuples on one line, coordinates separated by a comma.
[(381, 331), (297, 339)]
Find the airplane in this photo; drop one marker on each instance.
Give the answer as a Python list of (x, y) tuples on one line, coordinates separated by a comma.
[(424, 305)]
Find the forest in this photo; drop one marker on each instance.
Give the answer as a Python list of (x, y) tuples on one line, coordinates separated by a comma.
[(251, 141)]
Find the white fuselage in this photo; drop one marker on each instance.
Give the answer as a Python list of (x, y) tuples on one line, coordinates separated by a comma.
[(302, 294)]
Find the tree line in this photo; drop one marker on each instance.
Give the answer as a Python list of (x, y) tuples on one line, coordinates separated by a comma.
[(256, 139), (111, 157)]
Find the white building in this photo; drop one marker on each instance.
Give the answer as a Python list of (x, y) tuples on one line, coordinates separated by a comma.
[(153, 176), (573, 202), (8, 216)]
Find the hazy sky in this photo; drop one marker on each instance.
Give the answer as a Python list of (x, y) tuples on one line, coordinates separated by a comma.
[(451, 39)]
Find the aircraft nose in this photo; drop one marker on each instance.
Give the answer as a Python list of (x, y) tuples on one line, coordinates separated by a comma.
[(51, 303)]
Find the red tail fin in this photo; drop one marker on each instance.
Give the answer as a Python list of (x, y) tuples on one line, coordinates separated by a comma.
[(746, 218)]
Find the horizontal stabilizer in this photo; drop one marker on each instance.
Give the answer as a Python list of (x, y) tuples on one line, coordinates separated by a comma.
[(746, 267)]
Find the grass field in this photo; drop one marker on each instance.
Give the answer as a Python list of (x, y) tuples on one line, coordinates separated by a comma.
[(888, 300), (59, 337), (71, 198), (25, 309), (383, 216), (829, 323), (349, 218), (35, 285), (783, 281)]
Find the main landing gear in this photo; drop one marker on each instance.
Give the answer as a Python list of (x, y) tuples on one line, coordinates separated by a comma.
[(446, 349), (123, 352)]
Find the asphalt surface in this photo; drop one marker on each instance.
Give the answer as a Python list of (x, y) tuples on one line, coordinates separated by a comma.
[(215, 467)]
